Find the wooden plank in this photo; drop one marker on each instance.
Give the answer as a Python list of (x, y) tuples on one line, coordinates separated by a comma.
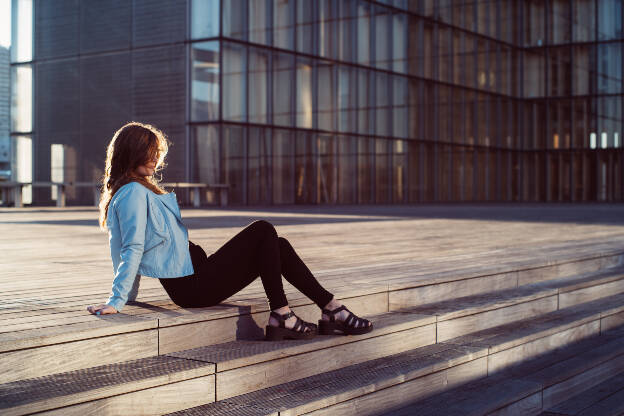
[(81, 386), (609, 322), (588, 294), (42, 361), (463, 373), (242, 380), (250, 326), (153, 401), (530, 405)]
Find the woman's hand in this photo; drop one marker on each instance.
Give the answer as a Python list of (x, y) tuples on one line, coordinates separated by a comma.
[(101, 309)]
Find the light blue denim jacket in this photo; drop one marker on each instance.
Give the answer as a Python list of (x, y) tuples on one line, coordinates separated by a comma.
[(146, 237)]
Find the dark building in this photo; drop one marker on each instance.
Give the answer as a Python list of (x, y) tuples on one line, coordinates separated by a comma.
[(331, 101)]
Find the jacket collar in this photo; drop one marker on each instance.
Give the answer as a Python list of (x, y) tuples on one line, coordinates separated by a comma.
[(170, 201)]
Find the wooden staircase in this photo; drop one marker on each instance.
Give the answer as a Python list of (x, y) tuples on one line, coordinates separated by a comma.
[(520, 335)]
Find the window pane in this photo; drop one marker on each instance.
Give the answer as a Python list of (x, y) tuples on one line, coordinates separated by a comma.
[(346, 99), (534, 22), (258, 21), (23, 165), (326, 91), (584, 26), (363, 32), (21, 98), (584, 64), (559, 21), (283, 167), (258, 85), (22, 31), (204, 19), (609, 68), (365, 167), (326, 36), (346, 27), (609, 19), (534, 74), (234, 163), (327, 185), (305, 169), (363, 102), (381, 100), (234, 64), (205, 81), (258, 161), (399, 107), (234, 14), (205, 160), (304, 93), (283, 78), (559, 71), (399, 42), (381, 38), (283, 17), (305, 26), (399, 172), (347, 169), (381, 171)]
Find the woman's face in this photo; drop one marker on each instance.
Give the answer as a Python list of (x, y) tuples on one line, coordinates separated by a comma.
[(147, 169)]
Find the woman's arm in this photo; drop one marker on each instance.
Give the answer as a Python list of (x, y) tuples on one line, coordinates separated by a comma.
[(131, 211)]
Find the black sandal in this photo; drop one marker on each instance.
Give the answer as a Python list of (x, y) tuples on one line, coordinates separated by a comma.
[(277, 333), (348, 327)]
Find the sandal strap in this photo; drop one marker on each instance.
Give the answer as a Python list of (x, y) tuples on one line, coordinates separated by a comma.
[(352, 319), (300, 324), (332, 313), (282, 318)]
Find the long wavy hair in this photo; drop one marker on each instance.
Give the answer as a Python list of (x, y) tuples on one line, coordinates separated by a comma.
[(133, 145)]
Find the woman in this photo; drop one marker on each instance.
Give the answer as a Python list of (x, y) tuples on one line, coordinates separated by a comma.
[(147, 237)]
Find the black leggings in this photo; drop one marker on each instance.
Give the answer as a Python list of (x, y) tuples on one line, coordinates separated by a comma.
[(256, 250)]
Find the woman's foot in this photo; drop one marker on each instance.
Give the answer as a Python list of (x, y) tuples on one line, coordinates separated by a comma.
[(284, 324), (336, 317)]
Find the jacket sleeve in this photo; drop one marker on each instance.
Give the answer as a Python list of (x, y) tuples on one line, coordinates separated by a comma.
[(131, 211)]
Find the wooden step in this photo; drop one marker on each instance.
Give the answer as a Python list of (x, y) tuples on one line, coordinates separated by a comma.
[(460, 316), (244, 366), (570, 377), (139, 387), (334, 392)]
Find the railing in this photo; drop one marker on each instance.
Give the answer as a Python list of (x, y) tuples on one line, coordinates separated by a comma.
[(16, 189)]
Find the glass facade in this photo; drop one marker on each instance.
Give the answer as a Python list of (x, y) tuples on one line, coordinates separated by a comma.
[(338, 102)]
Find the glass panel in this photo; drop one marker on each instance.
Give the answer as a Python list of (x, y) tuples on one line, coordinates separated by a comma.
[(382, 103), (584, 64), (258, 85), (283, 79), (234, 163), (259, 21), (559, 21), (234, 82), (234, 19), (327, 174), (204, 19), (382, 47), (534, 22), (444, 113), (415, 110), (363, 32), (346, 99), (399, 42), (347, 170), (584, 15), (413, 165), (21, 98), (258, 162), (346, 28), (610, 19), (534, 74), (400, 96), (22, 31), (382, 179), (609, 122), (23, 165), (283, 167), (364, 125), (399, 172), (205, 81), (283, 18), (326, 36), (365, 165), (304, 93), (326, 93), (468, 51), (57, 167), (305, 186), (305, 26), (559, 71), (444, 54), (415, 53), (609, 68), (205, 159)]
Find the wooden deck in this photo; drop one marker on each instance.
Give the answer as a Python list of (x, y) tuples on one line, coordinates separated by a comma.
[(55, 262), (455, 274)]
